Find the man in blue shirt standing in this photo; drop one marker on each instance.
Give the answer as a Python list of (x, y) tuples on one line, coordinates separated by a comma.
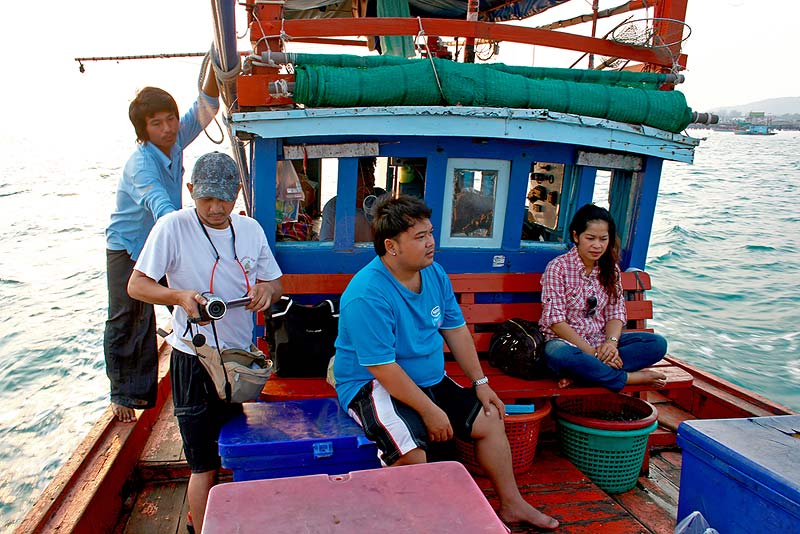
[(389, 365), (149, 188)]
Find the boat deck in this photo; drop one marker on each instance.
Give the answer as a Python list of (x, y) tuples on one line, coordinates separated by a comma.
[(158, 502), (127, 478)]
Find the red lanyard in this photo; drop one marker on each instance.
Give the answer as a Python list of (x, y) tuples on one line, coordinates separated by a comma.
[(216, 262)]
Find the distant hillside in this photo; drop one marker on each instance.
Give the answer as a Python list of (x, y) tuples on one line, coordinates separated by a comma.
[(772, 106)]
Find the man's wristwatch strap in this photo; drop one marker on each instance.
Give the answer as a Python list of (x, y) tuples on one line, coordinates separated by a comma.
[(481, 381)]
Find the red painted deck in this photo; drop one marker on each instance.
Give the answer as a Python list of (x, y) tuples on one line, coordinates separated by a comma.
[(554, 485), (152, 497)]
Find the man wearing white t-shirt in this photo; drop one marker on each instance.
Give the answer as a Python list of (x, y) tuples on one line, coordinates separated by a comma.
[(202, 251)]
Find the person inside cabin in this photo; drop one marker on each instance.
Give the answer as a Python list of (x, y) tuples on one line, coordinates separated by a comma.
[(389, 371), (150, 187), (583, 312), (199, 250), (366, 193)]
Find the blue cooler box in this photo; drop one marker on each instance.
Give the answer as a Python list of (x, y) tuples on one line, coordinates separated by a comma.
[(743, 475), (285, 439)]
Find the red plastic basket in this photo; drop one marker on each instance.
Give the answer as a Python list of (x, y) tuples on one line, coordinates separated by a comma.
[(523, 435), (593, 411)]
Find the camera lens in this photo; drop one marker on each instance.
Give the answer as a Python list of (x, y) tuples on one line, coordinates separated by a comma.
[(215, 307)]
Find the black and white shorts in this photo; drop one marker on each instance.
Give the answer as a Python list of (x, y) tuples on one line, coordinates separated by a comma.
[(398, 429)]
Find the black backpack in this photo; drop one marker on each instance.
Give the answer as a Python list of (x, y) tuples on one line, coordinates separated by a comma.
[(517, 349), (301, 337)]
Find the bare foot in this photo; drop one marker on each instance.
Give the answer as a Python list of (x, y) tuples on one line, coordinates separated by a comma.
[(647, 377), (123, 413), (524, 513), (564, 383)]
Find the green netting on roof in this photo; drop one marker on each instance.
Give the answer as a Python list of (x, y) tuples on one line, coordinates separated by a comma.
[(344, 60), (414, 84), (644, 80)]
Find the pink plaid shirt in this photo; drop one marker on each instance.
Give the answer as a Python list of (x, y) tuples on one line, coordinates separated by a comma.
[(566, 290)]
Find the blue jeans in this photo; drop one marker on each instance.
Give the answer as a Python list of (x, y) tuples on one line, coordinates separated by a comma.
[(637, 350)]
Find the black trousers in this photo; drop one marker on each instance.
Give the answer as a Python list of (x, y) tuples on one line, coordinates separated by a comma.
[(129, 342)]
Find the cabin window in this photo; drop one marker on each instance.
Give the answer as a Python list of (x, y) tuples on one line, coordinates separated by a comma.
[(616, 184), (297, 192), (370, 184), (543, 202), (474, 202), (406, 176)]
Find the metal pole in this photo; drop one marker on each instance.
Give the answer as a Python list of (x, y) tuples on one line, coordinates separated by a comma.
[(227, 56), (595, 6)]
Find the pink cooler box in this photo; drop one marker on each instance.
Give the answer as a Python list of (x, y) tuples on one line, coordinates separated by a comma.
[(436, 497)]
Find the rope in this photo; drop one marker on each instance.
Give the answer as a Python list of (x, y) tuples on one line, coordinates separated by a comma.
[(430, 56), (222, 76), (281, 89), (258, 60), (283, 36), (226, 76)]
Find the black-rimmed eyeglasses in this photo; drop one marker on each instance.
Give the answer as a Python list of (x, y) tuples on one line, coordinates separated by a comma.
[(591, 306)]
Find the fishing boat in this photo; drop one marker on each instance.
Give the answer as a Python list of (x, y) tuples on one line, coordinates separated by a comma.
[(755, 129), (504, 155), (756, 123)]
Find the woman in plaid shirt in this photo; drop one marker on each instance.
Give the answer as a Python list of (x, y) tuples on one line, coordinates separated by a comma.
[(583, 312)]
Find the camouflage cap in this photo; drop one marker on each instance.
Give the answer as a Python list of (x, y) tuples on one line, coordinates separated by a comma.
[(215, 176)]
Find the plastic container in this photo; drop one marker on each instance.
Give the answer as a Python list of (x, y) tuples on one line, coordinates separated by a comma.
[(694, 523), (590, 411), (522, 430), (743, 475), (281, 439), (609, 452), (394, 500), (612, 459)]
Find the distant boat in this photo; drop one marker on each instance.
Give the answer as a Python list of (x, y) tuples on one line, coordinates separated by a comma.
[(756, 129)]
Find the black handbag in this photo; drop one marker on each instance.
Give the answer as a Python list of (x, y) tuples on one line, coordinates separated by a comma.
[(517, 349), (301, 337)]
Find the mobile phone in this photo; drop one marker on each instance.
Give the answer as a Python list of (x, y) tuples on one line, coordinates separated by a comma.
[(238, 303)]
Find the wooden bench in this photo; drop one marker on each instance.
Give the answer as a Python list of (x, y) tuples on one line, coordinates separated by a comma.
[(486, 300)]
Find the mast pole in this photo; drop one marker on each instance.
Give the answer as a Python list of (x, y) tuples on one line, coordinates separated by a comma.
[(226, 56), (595, 6)]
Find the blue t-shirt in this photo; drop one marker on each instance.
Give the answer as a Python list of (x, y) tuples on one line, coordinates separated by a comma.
[(381, 321), (151, 182)]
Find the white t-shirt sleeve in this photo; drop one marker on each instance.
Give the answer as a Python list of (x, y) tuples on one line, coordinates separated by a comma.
[(157, 256), (267, 266)]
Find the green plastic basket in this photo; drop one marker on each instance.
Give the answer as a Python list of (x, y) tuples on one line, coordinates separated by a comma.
[(612, 459)]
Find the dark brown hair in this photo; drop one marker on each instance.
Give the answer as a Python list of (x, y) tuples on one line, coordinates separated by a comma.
[(608, 261), (148, 102)]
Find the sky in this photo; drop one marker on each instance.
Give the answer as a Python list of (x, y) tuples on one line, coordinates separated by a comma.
[(739, 51)]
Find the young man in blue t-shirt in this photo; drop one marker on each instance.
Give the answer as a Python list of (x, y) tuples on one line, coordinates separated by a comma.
[(389, 369)]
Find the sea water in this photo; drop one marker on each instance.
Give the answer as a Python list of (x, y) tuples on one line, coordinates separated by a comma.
[(724, 260)]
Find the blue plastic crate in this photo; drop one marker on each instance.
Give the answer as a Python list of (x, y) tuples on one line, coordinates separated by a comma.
[(240, 475), (281, 439), (743, 475)]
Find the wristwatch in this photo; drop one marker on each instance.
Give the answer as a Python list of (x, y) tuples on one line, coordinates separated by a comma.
[(612, 338), (481, 381)]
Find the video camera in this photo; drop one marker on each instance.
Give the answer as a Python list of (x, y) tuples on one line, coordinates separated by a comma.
[(215, 308)]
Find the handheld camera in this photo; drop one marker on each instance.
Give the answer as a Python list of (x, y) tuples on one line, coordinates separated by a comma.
[(215, 308)]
